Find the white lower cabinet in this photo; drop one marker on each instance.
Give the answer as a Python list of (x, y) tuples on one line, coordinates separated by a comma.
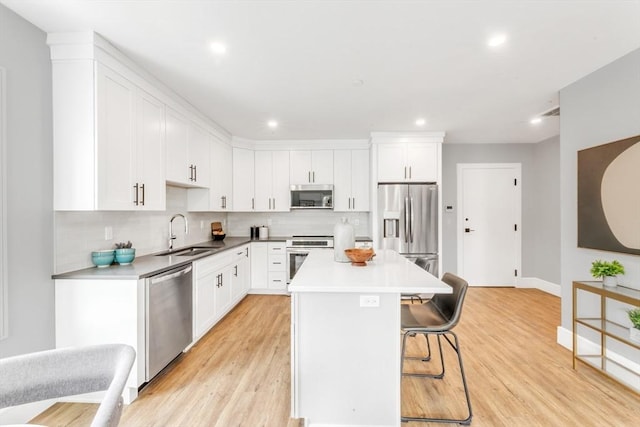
[(220, 282), (268, 268)]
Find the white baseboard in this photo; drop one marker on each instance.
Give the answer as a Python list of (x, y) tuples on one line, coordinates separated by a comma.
[(543, 285), (21, 414), (564, 337)]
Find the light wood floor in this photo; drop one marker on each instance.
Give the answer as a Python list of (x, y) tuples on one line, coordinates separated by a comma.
[(239, 373)]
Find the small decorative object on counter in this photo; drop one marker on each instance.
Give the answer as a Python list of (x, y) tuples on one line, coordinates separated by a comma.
[(634, 331), (102, 259), (124, 253), (359, 256), (216, 231), (343, 238), (608, 271)]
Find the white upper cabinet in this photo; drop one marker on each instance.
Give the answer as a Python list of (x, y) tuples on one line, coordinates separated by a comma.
[(188, 150), (220, 187), (311, 167), (351, 180), (408, 162), (108, 136), (243, 180), (271, 181)]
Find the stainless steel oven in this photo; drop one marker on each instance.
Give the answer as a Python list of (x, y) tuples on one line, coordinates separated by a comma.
[(299, 247)]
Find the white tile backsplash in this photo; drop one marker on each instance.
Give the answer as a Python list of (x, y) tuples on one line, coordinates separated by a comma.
[(300, 222), (77, 234)]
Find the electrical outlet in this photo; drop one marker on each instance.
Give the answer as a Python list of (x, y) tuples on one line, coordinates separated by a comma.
[(108, 233), (356, 222), (369, 301)]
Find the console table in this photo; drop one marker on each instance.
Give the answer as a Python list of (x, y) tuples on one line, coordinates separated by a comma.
[(606, 328)]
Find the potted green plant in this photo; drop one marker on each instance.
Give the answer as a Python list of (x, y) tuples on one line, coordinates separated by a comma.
[(607, 270), (634, 331)]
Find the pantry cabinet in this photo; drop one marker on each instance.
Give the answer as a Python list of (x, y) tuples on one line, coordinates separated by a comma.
[(108, 140), (311, 167), (271, 181), (351, 180), (408, 162), (243, 180)]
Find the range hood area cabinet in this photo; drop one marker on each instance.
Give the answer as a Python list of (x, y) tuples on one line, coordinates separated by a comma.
[(108, 140), (311, 167), (351, 178)]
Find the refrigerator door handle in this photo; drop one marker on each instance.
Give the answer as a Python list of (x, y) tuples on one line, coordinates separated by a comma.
[(411, 219), (406, 219)]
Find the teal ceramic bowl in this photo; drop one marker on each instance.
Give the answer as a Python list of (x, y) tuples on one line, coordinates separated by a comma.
[(102, 258), (125, 256)]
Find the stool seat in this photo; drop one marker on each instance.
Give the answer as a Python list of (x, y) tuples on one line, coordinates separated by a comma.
[(425, 317)]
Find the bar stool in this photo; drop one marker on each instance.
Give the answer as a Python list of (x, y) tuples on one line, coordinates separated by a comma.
[(422, 263), (438, 316)]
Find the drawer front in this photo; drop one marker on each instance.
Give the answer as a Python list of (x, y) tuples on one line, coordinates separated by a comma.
[(277, 262), (277, 280), (276, 248)]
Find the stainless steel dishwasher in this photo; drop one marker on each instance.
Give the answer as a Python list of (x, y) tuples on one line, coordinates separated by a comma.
[(168, 322)]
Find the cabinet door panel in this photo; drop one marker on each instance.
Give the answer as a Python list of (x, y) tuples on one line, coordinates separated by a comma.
[(391, 163), (423, 162), (177, 132), (116, 98), (280, 192), (243, 180), (300, 167), (263, 180), (199, 147), (150, 153), (322, 166), (360, 191), (204, 303), (221, 176), (342, 181)]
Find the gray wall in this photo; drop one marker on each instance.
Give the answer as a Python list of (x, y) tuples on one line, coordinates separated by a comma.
[(25, 56), (599, 108), (539, 201)]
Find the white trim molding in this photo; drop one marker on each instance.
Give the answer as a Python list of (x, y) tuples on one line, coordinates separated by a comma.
[(543, 285), (4, 283)]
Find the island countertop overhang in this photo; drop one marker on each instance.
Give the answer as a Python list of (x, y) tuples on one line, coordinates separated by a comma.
[(388, 272)]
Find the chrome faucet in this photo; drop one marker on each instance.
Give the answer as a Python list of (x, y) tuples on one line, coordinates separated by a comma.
[(172, 236)]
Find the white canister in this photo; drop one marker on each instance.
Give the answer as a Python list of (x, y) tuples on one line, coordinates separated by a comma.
[(343, 238), (263, 233)]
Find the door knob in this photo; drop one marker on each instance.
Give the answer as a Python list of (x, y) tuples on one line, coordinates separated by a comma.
[(468, 230)]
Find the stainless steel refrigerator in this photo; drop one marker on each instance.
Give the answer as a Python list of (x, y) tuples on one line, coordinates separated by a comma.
[(408, 221)]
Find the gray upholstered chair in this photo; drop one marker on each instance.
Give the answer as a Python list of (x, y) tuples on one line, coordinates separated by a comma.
[(438, 316), (65, 372)]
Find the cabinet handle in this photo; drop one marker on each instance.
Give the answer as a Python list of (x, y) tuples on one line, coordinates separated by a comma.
[(223, 202), (274, 204), (142, 188), (195, 173), (190, 172), (269, 203), (314, 176), (253, 203), (235, 272), (309, 173), (247, 252), (135, 188), (405, 172), (354, 203), (409, 172), (349, 202)]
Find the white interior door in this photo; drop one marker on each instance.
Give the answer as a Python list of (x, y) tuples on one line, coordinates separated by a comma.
[(489, 248)]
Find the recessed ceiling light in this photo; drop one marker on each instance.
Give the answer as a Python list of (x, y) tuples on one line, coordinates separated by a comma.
[(420, 122), (272, 124), (218, 48), (536, 120), (497, 40)]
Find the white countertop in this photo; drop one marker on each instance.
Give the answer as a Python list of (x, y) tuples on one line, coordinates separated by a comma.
[(388, 272)]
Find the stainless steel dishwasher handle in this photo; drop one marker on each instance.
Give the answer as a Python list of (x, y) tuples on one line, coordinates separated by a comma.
[(164, 277)]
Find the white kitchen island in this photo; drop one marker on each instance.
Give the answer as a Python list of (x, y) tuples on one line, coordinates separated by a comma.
[(345, 338)]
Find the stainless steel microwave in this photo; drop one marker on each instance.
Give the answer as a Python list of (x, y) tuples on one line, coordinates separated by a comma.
[(312, 196)]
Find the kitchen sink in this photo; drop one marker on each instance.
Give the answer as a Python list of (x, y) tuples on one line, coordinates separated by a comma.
[(185, 252)]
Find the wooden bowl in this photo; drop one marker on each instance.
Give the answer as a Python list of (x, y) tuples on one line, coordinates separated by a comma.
[(359, 256)]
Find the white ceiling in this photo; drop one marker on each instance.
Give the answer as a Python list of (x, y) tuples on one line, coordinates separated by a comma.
[(297, 61)]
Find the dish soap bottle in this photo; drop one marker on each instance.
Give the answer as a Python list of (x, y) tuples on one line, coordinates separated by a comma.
[(343, 238)]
